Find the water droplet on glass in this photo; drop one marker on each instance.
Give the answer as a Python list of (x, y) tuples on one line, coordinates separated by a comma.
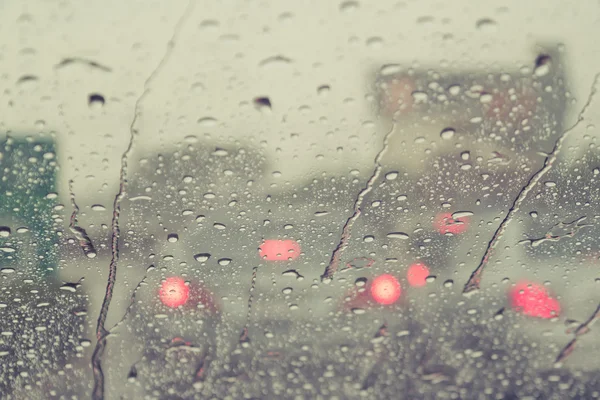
[(96, 101), (360, 282), (398, 235), (390, 176), (420, 97), (486, 25), (454, 90), (202, 257), (486, 98), (368, 238), (4, 231), (375, 43), (275, 61), (461, 214), (207, 122), (224, 261), (172, 237), (348, 6), (323, 90), (262, 104), (449, 283), (219, 226), (390, 69), (542, 65), (447, 133)]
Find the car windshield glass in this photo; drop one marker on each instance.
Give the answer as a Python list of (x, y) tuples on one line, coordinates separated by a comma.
[(299, 200)]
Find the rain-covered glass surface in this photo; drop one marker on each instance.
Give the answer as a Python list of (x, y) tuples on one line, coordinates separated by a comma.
[(303, 200)]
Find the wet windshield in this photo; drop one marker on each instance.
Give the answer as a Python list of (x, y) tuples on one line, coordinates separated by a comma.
[(282, 200)]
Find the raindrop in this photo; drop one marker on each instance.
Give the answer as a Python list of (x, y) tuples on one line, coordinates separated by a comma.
[(262, 104), (449, 283), (360, 282), (98, 207), (398, 235), (542, 65), (454, 90), (486, 98), (390, 69), (4, 231), (172, 237), (375, 43), (461, 214), (202, 257), (323, 90), (358, 311), (27, 81), (224, 261), (275, 61), (219, 226), (390, 176), (486, 25), (287, 290), (368, 238), (207, 122), (96, 101), (348, 6), (420, 97), (447, 133)]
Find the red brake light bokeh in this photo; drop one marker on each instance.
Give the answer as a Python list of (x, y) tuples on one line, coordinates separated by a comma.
[(533, 300), (444, 223), (279, 250), (385, 289), (174, 292), (417, 274)]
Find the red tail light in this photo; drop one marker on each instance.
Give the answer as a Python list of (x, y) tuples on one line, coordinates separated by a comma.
[(417, 274), (444, 223), (533, 300), (279, 250), (385, 289), (174, 292)]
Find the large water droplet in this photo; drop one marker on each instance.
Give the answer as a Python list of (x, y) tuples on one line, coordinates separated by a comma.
[(447, 133), (96, 101), (224, 261), (486, 25), (202, 257)]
